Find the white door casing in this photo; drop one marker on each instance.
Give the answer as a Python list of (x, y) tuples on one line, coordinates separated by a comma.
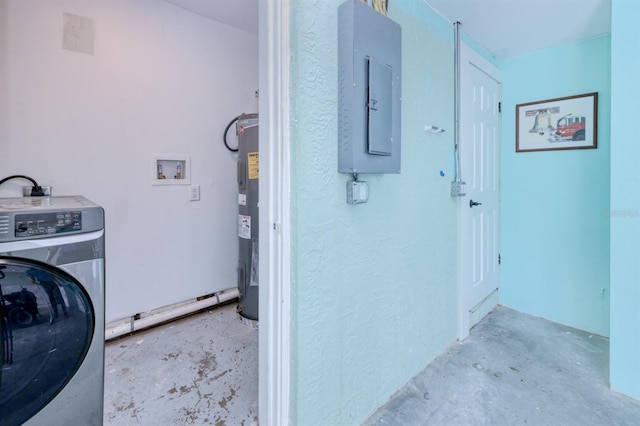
[(274, 302), (480, 169)]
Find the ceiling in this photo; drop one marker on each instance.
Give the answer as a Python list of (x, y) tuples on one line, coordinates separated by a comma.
[(505, 28), (511, 28), (241, 14)]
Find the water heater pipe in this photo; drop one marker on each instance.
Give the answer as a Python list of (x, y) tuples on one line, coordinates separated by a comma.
[(120, 328)]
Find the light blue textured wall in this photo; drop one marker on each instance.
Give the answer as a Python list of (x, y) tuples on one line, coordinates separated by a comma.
[(554, 204), (625, 197), (373, 286)]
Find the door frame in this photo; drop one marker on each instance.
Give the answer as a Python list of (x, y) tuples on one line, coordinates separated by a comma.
[(274, 234), (470, 58)]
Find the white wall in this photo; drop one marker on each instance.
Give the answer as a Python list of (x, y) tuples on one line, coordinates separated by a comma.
[(3, 81), (161, 80)]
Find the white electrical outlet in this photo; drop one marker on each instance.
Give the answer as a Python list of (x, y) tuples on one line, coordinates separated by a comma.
[(195, 193)]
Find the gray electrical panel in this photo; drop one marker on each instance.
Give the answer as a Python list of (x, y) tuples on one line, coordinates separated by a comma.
[(248, 213), (369, 59)]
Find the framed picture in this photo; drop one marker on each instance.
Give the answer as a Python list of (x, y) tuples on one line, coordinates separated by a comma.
[(554, 124)]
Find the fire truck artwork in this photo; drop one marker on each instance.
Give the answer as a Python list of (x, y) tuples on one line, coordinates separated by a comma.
[(562, 123), (569, 128)]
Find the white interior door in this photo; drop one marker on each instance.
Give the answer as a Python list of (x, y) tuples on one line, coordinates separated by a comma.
[(480, 166)]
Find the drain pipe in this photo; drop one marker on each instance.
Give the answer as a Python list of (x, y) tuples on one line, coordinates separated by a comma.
[(122, 327), (457, 186)]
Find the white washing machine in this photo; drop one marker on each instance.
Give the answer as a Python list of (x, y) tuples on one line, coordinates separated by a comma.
[(51, 311)]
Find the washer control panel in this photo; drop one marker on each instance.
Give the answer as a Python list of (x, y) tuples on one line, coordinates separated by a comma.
[(34, 218), (36, 224)]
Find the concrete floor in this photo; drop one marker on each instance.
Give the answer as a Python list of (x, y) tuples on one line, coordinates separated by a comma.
[(198, 370), (514, 369)]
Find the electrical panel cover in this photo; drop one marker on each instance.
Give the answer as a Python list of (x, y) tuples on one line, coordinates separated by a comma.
[(369, 60)]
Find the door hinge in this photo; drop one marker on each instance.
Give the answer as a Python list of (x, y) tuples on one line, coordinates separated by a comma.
[(499, 106), (499, 260)]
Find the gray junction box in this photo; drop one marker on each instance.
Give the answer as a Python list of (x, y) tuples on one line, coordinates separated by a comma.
[(369, 65)]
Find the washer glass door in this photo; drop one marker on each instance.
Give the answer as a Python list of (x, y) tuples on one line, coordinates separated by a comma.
[(46, 326)]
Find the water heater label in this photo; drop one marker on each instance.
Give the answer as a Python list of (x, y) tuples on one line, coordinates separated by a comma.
[(242, 199), (253, 160), (244, 227)]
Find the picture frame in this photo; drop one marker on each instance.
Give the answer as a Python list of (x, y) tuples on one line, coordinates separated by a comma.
[(558, 124)]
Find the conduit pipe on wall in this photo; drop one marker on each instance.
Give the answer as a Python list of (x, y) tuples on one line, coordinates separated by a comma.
[(122, 327), (457, 186)]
